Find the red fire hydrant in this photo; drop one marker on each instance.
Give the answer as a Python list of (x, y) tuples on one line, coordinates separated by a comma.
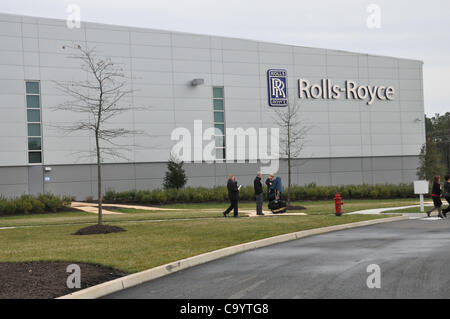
[(338, 204)]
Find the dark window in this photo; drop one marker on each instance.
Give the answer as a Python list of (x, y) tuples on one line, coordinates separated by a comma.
[(34, 144), (34, 157), (34, 129), (219, 121), (218, 104), (32, 87), (33, 100), (218, 93), (219, 117), (34, 116)]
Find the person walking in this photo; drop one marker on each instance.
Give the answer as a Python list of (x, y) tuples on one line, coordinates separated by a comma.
[(233, 196), (258, 193), (447, 194), (436, 195)]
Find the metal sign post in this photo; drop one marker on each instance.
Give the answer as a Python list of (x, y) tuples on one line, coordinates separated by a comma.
[(421, 188)]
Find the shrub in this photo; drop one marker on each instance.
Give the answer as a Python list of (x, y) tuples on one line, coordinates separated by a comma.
[(39, 207), (110, 195), (147, 198), (26, 204), (10, 207), (66, 201), (175, 175), (52, 203), (159, 197), (298, 193), (172, 195)]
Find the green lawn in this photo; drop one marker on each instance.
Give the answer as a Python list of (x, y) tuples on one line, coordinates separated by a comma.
[(77, 217), (214, 210), (318, 206), (146, 244)]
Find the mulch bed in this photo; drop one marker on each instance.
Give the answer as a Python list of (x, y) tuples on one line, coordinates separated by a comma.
[(48, 279), (97, 229)]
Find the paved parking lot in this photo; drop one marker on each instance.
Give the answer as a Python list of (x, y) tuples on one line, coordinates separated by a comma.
[(413, 256)]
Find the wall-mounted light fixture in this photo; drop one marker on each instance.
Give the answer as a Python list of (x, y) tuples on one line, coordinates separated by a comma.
[(196, 82), (47, 169)]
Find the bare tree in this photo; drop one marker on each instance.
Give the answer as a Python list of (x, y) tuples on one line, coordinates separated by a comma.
[(99, 97), (292, 137)]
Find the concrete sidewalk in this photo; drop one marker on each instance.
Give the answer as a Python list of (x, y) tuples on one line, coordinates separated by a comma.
[(252, 213), (376, 211), (93, 209), (90, 207)]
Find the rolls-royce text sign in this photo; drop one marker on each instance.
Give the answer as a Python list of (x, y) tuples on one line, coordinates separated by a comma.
[(277, 87), (324, 89)]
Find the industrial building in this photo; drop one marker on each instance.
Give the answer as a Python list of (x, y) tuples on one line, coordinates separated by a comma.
[(365, 112)]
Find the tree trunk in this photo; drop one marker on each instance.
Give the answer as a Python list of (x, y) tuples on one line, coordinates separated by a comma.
[(99, 182), (289, 182), (289, 157)]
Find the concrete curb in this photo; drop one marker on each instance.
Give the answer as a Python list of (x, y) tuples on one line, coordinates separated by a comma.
[(115, 285)]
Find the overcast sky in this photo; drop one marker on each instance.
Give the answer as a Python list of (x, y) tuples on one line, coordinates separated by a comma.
[(415, 29)]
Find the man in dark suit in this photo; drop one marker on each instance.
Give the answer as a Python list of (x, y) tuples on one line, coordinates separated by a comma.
[(258, 193), (233, 196), (270, 190)]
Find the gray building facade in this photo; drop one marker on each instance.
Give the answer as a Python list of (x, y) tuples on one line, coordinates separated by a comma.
[(364, 112)]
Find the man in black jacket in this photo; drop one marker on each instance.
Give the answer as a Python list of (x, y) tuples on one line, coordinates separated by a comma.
[(270, 190), (258, 193), (233, 196)]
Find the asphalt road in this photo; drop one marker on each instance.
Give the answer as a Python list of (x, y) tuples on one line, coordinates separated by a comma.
[(413, 255)]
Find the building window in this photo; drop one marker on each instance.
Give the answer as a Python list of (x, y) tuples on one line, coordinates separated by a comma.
[(33, 99), (219, 122)]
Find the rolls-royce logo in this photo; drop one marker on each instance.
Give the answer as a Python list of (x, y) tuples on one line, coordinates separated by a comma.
[(277, 87)]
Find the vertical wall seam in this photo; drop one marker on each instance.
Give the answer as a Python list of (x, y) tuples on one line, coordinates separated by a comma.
[(370, 124), (132, 107), (25, 107), (402, 174), (330, 168), (361, 127)]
